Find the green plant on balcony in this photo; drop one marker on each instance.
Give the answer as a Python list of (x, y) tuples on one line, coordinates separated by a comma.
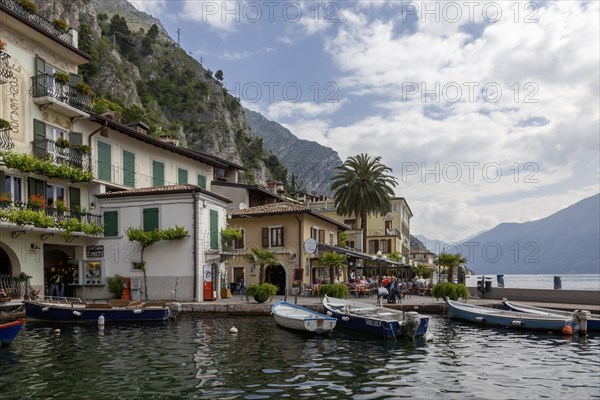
[(228, 235), (84, 148), (5, 199), (28, 6), (60, 206), (84, 88), (31, 217), (4, 124), (62, 143), (37, 201), (31, 163), (61, 77), (60, 25)]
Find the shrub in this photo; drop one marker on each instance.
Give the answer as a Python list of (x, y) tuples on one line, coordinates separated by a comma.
[(115, 286), (451, 290), (60, 25), (261, 292), (333, 290)]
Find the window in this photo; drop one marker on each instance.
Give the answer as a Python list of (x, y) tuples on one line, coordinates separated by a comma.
[(322, 235), (351, 223), (36, 186), (350, 243), (182, 176), (202, 181), (10, 184), (214, 230), (54, 193), (158, 173), (111, 223), (239, 243), (272, 237), (74, 198), (373, 246), (128, 169), (104, 161), (150, 219), (314, 233), (384, 246), (331, 239)]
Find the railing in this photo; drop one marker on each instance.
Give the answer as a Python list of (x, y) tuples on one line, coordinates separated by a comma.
[(383, 232), (36, 19), (5, 69), (56, 214), (6, 142), (14, 285), (48, 149), (46, 85)]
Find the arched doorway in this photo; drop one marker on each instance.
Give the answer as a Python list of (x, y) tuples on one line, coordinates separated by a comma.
[(9, 262), (5, 264), (276, 276)]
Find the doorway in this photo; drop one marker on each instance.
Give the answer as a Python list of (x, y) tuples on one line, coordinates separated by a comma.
[(276, 276)]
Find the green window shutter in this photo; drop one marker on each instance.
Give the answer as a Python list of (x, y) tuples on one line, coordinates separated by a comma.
[(158, 173), (74, 198), (111, 223), (265, 237), (104, 162), (2, 188), (214, 230), (36, 186), (150, 219), (39, 138), (75, 138), (182, 176), (128, 169), (41, 84), (202, 181)]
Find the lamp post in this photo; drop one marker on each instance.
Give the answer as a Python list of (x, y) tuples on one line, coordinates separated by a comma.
[(379, 258)]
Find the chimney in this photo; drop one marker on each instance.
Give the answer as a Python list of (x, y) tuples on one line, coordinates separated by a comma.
[(139, 126), (279, 189), (271, 186)]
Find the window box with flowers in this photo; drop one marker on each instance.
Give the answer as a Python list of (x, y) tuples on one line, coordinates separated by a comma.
[(28, 6), (62, 143), (5, 199), (61, 77), (37, 202), (60, 25), (84, 88)]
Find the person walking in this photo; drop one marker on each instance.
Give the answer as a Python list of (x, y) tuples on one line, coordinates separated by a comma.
[(55, 280)]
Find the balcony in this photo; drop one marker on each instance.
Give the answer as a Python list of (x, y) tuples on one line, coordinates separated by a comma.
[(73, 156), (37, 20), (63, 97), (6, 142), (5, 70), (383, 232)]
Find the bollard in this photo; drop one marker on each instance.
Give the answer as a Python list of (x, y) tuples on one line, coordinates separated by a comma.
[(557, 283), (500, 279), (582, 318)]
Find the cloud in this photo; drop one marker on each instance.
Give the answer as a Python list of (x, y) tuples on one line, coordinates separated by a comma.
[(152, 7), (222, 16), (286, 110)]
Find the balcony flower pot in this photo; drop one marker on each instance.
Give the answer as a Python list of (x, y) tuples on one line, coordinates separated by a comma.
[(37, 202), (61, 77), (62, 143), (5, 200), (84, 88), (60, 25), (28, 6), (261, 292), (84, 148)]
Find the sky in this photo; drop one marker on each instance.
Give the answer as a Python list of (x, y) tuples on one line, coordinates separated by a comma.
[(487, 111)]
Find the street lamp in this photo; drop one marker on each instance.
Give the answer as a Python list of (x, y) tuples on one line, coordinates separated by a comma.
[(379, 258)]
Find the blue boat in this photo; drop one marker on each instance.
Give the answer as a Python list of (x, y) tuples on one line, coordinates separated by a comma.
[(593, 324), (9, 331), (75, 310), (375, 319), (509, 319)]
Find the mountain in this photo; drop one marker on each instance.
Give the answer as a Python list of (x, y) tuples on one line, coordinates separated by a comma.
[(312, 164), (138, 72), (566, 242), (433, 245)]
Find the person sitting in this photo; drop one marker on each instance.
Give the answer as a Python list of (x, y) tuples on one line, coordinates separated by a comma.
[(393, 290)]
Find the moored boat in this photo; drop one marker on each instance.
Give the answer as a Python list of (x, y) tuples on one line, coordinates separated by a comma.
[(9, 331), (74, 310), (593, 324), (509, 319), (292, 316), (375, 319)]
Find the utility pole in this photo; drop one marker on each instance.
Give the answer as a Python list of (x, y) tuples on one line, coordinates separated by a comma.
[(179, 37)]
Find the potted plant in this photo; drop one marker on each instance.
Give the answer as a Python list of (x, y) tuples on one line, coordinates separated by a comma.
[(84, 148), (115, 286), (228, 235), (61, 77), (62, 143), (5, 199), (60, 206), (4, 124), (28, 6), (4, 296), (84, 88), (60, 25), (37, 202), (261, 292)]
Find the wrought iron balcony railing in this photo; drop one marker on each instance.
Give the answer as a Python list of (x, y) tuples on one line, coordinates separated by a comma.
[(37, 20), (6, 142), (73, 156), (5, 70), (46, 85), (15, 286)]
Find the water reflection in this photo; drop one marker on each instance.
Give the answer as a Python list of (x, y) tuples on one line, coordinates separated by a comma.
[(197, 357)]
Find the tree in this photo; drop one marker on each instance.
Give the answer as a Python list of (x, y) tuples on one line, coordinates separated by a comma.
[(361, 187), (262, 258), (451, 261), (219, 75), (147, 239), (333, 261)]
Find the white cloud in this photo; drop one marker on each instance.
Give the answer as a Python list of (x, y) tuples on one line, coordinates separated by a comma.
[(152, 7), (222, 16), (287, 109)]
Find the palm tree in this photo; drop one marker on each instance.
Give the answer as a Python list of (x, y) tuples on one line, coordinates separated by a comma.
[(333, 261), (451, 261), (362, 186), (262, 258)]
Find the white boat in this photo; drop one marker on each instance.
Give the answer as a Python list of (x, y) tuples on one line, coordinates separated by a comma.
[(292, 316), (593, 323)]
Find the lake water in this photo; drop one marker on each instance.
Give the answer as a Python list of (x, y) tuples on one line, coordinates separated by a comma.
[(197, 358), (569, 282)]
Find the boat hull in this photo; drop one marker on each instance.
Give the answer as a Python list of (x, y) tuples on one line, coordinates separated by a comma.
[(70, 313), (593, 324), (377, 321), (298, 318), (9, 331), (507, 319)]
